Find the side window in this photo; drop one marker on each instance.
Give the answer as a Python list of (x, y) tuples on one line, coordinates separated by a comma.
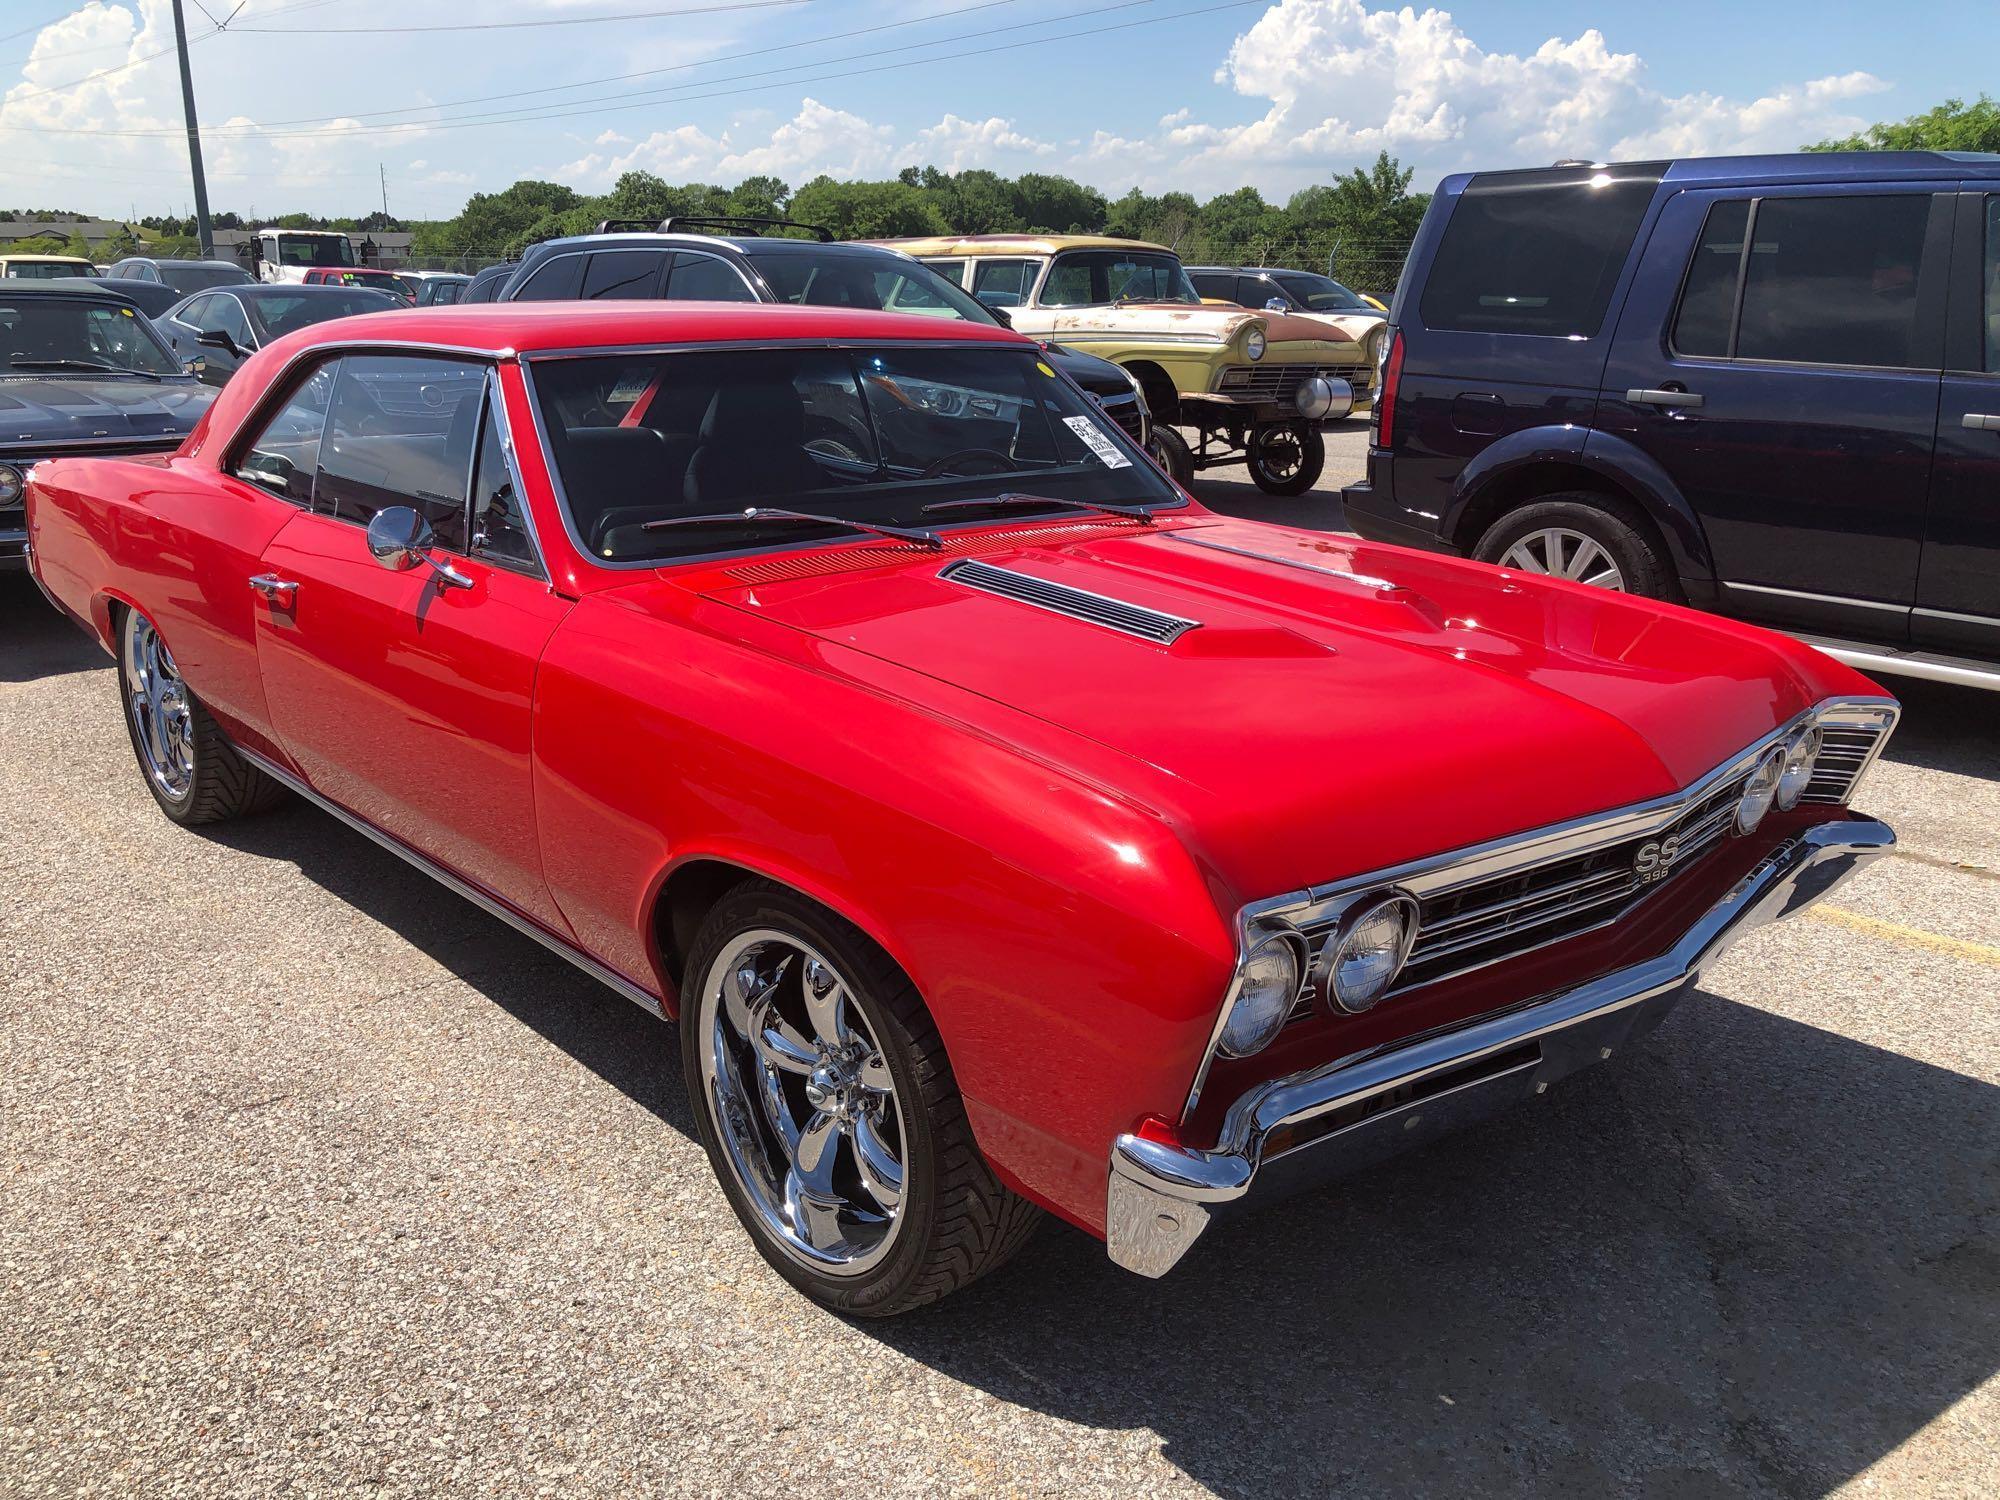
[(556, 280), (951, 270), (1535, 252), (1989, 280), (499, 530), (705, 278), (1255, 291), (284, 455), (193, 313), (1833, 281), (226, 313), (1708, 295), (1218, 284), (624, 275), (1003, 283), (401, 432)]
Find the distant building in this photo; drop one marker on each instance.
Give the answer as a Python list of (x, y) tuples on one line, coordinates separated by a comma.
[(94, 231)]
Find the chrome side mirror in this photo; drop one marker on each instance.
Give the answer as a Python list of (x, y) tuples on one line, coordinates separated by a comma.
[(399, 538), (1277, 304)]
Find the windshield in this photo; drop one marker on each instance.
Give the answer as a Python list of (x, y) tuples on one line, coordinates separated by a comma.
[(386, 281), (49, 335), (279, 313), (315, 250), (194, 277), (1321, 293), (48, 270), (872, 434), (1086, 278), (878, 281)]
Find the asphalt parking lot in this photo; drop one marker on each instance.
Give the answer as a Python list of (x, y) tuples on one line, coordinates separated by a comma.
[(318, 1180)]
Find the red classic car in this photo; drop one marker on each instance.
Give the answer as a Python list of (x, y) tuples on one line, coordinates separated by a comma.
[(1007, 832)]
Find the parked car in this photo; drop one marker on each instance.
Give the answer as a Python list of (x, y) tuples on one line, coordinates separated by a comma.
[(1591, 374), (81, 371), (1304, 294), (438, 288), (216, 331), (276, 255), (181, 277), (150, 297), (388, 282), (487, 282), (752, 259), (1256, 387), (1006, 831), (43, 267)]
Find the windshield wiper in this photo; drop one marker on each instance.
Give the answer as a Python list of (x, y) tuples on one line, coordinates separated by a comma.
[(1016, 499), (18, 363), (775, 513)]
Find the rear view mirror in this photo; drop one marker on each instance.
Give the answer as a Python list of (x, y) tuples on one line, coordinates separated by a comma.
[(1000, 316), (1277, 304), (399, 538), (215, 338)]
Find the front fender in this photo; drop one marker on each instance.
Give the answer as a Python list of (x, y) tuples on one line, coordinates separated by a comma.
[(1623, 465)]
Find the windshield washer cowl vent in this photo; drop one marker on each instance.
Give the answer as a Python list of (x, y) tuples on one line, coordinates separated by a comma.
[(1078, 604)]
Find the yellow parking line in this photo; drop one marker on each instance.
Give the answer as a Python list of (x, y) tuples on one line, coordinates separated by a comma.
[(1909, 937)]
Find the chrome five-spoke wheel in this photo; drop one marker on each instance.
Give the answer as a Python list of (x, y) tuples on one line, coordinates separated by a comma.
[(162, 713), (803, 1102), (1563, 553)]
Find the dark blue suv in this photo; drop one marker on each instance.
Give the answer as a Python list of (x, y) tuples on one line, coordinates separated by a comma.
[(1767, 386)]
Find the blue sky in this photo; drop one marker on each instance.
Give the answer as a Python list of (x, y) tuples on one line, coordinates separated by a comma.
[(1192, 94)]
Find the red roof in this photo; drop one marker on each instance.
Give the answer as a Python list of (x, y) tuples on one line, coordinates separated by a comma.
[(523, 326)]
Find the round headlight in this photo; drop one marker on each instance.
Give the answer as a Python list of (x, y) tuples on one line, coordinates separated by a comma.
[(1800, 753), (1254, 344), (1270, 984), (1365, 953), (1760, 790), (10, 485)]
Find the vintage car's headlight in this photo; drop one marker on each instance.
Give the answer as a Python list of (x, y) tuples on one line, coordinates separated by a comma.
[(1761, 790), (1365, 953), (1270, 979), (10, 486), (1801, 751), (1253, 345)]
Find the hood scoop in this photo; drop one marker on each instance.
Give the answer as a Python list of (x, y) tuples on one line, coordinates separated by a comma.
[(1061, 599)]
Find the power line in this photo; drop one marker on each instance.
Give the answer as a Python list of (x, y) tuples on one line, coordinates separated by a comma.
[(124, 67), (566, 112), (637, 15)]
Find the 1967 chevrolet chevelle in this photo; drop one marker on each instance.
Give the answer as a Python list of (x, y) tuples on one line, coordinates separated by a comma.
[(1006, 832)]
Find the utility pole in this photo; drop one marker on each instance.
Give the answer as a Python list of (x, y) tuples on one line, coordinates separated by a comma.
[(379, 167), (203, 229)]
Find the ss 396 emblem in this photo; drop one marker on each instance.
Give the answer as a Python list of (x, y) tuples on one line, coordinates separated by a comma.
[(1655, 858)]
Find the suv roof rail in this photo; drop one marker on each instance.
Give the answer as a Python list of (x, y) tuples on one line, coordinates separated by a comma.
[(754, 223), (622, 226), (1576, 161)]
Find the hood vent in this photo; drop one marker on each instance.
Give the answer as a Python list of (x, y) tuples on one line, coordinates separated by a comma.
[(1061, 599)]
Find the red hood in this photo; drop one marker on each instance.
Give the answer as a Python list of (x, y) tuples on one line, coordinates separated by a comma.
[(1316, 726)]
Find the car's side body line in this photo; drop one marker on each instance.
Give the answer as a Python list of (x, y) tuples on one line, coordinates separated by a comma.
[(491, 904)]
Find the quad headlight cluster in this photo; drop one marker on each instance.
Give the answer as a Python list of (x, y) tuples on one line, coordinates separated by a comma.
[(1780, 778), (10, 486), (1357, 965), (1268, 981)]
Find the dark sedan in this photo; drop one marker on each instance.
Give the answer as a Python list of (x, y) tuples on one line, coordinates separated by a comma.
[(81, 371), (217, 330)]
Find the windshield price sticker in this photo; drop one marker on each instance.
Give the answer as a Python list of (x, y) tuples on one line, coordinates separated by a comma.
[(1106, 451)]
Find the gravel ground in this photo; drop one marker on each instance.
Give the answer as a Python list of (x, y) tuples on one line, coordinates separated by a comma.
[(317, 1180)]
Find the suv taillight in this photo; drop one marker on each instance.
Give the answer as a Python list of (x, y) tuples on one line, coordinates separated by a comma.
[(1386, 380)]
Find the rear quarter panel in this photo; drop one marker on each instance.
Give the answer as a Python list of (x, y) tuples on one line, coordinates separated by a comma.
[(1070, 952)]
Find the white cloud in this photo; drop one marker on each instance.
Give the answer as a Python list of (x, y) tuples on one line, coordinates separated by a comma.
[(956, 144)]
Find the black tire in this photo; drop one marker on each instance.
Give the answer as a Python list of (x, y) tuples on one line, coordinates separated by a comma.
[(1613, 524), (1285, 458), (958, 1221), (220, 783), (1171, 452)]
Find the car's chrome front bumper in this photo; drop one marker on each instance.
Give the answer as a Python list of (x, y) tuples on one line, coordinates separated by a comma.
[(1299, 1131)]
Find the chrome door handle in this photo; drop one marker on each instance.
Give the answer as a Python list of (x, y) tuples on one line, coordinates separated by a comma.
[(1983, 421), (277, 590), (1643, 397)]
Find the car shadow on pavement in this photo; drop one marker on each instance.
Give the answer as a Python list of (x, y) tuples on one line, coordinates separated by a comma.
[(35, 640), (1946, 728), (1755, 1255)]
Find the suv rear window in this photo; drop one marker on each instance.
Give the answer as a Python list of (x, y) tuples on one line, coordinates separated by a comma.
[(1536, 252)]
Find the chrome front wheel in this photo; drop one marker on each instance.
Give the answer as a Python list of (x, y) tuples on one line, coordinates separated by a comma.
[(803, 1102), (161, 711), (1562, 553)]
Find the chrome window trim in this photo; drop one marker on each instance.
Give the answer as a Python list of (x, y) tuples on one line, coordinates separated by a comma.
[(1440, 873), (1952, 614), (527, 360), (757, 298)]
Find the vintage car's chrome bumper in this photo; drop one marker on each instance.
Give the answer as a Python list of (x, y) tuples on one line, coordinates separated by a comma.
[(1278, 1138)]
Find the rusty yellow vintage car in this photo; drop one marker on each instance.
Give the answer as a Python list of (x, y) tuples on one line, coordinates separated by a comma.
[(1253, 386)]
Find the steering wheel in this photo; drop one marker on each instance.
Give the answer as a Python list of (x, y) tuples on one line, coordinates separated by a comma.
[(937, 468)]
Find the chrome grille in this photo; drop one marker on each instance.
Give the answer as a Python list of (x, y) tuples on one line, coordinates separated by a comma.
[(1844, 754), (1129, 418), (1060, 598), (1282, 382)]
